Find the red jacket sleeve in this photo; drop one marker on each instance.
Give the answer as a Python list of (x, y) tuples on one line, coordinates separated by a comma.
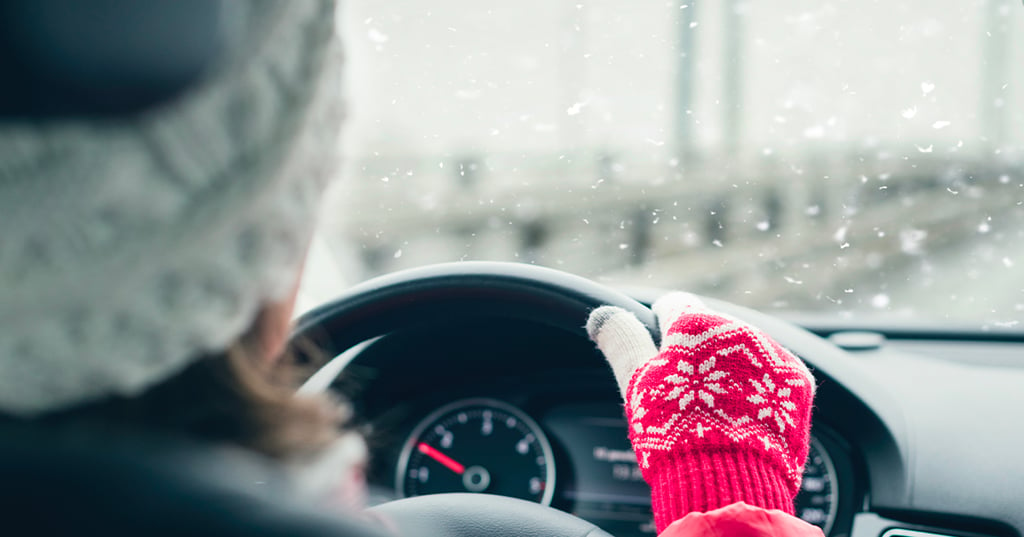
[(741, 520)]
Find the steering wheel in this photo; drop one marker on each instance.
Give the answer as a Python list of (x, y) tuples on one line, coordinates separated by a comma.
[(457, 291), (466, 290)]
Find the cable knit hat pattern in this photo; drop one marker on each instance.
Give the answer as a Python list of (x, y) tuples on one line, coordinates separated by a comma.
[(130, 248)]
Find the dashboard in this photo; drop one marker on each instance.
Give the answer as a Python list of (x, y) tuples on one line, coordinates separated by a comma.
[(537, 417), (477, 378)]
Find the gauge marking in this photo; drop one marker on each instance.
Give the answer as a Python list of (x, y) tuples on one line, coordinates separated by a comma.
[(536, 485), (487, 426)]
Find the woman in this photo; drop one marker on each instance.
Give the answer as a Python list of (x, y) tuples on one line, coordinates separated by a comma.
[(150, 267)]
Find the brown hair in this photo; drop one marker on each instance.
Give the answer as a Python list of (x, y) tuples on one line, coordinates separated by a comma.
[(230, 397)]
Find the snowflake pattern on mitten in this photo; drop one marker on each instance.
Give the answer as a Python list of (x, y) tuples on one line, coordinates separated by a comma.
[(721, 385)]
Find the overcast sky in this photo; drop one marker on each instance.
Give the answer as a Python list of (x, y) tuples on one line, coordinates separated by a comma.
[(543, 76)]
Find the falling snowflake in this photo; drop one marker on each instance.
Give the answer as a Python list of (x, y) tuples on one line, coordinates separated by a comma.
[(377, 36), (817, 131), (840, 234), (575, 109), (911, 240)]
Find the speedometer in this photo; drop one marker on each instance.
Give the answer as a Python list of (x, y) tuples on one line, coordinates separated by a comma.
[(817, 501), (477, 445)]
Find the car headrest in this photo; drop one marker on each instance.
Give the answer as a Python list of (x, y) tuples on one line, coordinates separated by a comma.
[(68, 58), (103, 482)]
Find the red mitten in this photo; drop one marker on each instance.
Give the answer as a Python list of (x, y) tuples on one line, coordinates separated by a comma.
[(721, 414)]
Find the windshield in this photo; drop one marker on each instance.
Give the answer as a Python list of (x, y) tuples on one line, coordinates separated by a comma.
[(855, 157)]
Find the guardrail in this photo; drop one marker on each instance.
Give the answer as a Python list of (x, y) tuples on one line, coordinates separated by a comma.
[(765, 231)]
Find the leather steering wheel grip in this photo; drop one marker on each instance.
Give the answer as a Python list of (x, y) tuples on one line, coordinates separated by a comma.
[(479, 515)]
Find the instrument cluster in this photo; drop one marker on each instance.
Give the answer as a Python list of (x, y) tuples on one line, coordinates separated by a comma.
[(572, 456)]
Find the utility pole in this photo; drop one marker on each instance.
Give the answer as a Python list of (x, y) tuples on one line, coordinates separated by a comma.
[(732, 76), (995, 70), (685, 63), (573, 71)]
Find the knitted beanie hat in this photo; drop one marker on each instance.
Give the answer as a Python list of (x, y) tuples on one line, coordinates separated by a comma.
[(129, 248)]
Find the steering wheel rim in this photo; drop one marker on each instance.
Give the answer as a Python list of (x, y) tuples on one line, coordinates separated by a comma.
[(474, 515), (460, 290)]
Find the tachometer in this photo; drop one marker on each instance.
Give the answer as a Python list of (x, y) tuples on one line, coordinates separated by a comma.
[(817, 502), (477, 445)]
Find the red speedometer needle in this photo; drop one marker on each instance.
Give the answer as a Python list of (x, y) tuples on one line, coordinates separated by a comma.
[(445, 460)]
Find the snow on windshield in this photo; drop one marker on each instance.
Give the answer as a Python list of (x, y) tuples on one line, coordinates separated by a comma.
[(849, 156)]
